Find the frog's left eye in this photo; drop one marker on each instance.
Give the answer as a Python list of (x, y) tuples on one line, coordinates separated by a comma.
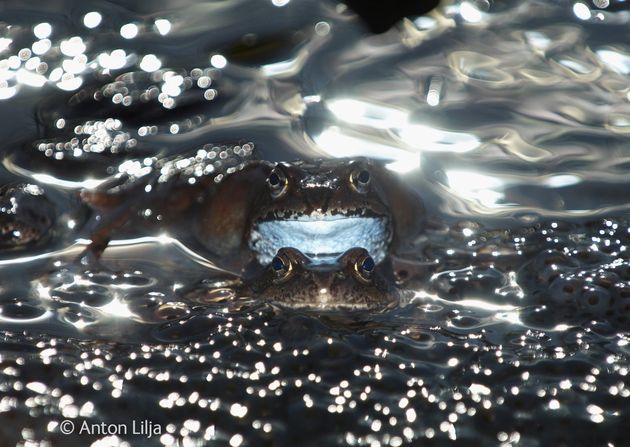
[(360, 180), (364, 267), (277, 182), (281, 266)]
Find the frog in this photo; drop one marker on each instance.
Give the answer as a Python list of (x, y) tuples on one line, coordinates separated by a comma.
[(28, 217), (353, 281), (34, 217), (322, 208)]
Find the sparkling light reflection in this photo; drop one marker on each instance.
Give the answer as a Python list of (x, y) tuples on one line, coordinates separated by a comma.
[(117, 308), (5, 42), (72, 250), (368, 114), (150, 63), (419, 137), (44, 316), (506, 312), (7, 92), (615, 60), (285, 68), (581, 11), (29, 78), (73, 46), (425, 138), (340, 143), (163, 26), (218, 61), (47, 179), (470, 13), (475, 186), (115, 60), (433, 97), (538, 40), (69, 83), (162, 239), (92, 19), (42, 30), (560, 181), (129, 30)]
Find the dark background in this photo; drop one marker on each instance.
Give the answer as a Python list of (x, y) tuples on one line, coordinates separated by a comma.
[(381, 15)]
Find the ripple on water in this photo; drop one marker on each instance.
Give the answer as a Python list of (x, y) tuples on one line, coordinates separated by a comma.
[(518, 332)]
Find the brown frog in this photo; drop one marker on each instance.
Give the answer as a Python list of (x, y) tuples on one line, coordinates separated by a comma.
[(322, 208), (351, 281)]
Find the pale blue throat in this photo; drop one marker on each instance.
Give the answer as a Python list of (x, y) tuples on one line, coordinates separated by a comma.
[(322, 238)]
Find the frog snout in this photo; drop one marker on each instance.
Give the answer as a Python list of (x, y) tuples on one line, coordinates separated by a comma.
[(323, 281)]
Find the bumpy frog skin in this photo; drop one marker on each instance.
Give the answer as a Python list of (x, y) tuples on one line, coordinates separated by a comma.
[(352, 281), (322, 208)]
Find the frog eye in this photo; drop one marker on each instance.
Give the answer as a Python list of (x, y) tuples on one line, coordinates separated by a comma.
[(277, 182), (281, 266), (364, 267), (360, 180)]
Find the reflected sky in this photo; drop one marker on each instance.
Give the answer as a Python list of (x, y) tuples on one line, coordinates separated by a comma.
[(411, 130)]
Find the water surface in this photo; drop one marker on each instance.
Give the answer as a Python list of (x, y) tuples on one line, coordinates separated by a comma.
[(511, 119)]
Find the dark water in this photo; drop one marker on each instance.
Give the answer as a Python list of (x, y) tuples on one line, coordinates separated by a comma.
[(511, 119)]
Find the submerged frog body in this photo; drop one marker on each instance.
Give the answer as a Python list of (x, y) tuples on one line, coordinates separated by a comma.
[(323, 208), (27, 216), (352, 281)]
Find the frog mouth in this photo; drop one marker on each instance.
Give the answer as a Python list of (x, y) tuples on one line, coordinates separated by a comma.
[(321, 237)]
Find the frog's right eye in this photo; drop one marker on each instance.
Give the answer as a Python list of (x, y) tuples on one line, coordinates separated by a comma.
[(364, 267), (277, 182), (281, 266), (360, 180)]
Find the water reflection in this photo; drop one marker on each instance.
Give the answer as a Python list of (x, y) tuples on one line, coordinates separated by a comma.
[(501, 114), (367, 114), (482, 188), (346, 143)]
